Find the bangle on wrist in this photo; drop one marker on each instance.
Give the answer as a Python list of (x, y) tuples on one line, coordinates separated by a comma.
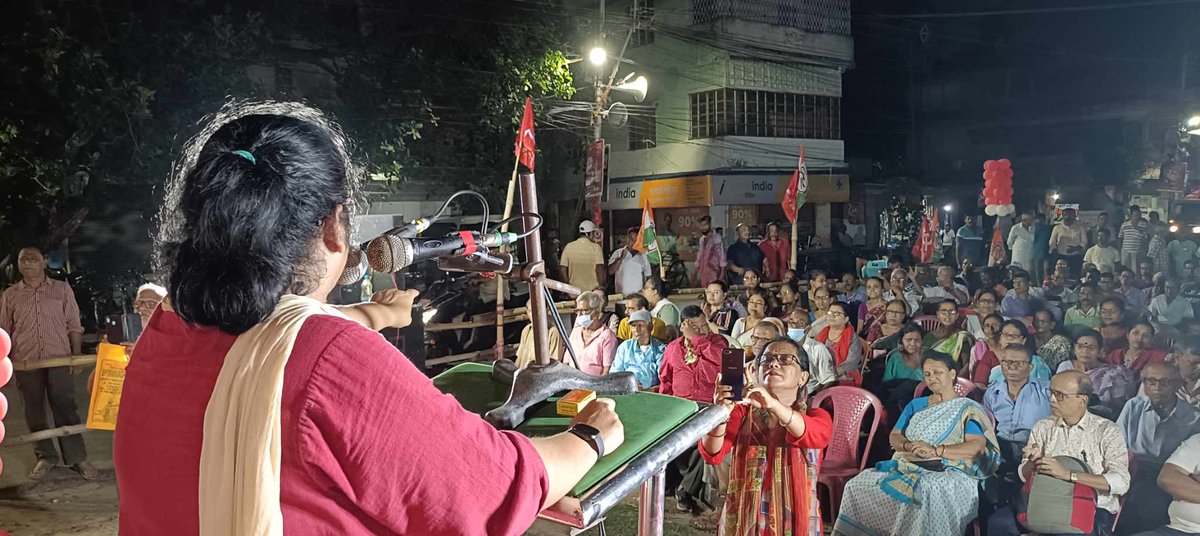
[(710, 434), (791, 417)]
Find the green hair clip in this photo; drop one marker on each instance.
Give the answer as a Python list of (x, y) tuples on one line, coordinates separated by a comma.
[(246, 155)]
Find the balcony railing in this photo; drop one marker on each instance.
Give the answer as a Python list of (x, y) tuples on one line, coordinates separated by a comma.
[(820, 16)]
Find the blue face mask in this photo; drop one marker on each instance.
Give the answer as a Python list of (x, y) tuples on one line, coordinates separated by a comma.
[(796, 334), (583, 321)]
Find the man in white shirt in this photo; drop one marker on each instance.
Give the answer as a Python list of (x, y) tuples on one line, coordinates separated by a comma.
[(898, 282), (946, 288), (820, 362), (1180, 477), (1020, 241), (629, 267), (1167, 310), (1075, 432), (1068, 239), (1103, 254)]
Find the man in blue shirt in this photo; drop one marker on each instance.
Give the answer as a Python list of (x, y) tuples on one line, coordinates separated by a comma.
[(1017, 403), (1023, 300), (744, 255), (642, 355), (1155, 423)]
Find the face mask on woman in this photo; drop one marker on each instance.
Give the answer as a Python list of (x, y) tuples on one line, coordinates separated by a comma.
[(796, 334)]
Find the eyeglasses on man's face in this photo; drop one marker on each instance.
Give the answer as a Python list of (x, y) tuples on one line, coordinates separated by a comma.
[(947, 312), (1061, 396), (1013, 364)]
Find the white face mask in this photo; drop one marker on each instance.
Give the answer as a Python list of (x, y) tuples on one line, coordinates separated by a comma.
[(583, 321), (796, 334)]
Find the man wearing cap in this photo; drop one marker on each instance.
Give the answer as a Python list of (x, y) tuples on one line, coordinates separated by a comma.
[(642, 355), (582, 261)]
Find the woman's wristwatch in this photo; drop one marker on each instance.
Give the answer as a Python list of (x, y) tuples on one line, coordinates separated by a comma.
[(591, 436)]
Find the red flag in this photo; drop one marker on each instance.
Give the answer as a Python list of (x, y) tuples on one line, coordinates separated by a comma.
[(796, 188), (998, 252), (927, 238), (526, 146)]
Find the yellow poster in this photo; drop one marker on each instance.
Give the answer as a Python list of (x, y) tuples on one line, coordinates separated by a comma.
[(109, 379)]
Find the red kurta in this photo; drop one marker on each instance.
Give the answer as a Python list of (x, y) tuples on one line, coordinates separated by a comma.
[(778, 252), (369, 445), (1145, 357)]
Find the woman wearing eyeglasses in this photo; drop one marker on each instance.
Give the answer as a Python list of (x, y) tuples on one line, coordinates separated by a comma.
[(822, 299), (1012, 331), (945, 445), (776, 441), (986, 348), (948, 337), (756, 311), (1113, 384), (985, 305), (842, 341)]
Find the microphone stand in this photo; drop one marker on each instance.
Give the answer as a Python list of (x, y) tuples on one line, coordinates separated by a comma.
[(543, 378)]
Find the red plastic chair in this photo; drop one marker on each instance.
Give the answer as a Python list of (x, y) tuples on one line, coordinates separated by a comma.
[(962, 387), (927, 322), (844, 458)]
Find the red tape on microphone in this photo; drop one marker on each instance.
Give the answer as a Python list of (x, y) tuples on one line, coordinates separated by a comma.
[(469, 244)]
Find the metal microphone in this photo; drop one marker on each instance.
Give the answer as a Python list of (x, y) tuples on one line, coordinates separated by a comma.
[(482, 261), (356, 267), (390, 253)]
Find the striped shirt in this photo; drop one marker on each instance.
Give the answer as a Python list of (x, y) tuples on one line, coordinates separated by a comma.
[(1133, 237), (39, 319)]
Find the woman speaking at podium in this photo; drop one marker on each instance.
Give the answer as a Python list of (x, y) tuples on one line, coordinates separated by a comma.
[(253, 408)]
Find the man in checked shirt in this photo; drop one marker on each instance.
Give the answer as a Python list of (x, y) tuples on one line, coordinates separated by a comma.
[(43, 318)]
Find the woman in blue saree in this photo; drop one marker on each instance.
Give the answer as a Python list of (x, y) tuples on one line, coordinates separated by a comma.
[(945, 445)]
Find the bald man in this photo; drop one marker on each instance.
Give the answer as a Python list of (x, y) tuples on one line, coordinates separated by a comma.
[(1155, 423), (1073, 431)]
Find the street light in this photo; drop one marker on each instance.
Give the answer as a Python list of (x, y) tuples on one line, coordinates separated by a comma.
[(1055, 196), (598, 56), (948, 208), (1193, 125)]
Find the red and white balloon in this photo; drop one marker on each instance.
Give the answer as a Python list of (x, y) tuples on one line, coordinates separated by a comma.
[(6, 372), (997, 187)]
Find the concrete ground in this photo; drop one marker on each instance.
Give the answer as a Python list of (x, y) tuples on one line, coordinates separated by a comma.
[(63, 503)]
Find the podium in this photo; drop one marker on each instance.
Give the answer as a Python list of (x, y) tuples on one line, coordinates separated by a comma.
[(658, 428)]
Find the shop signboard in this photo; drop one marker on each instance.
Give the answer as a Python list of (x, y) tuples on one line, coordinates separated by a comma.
[(768, 189), (676, 192)]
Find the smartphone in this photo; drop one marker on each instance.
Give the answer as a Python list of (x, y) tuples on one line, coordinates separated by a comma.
[(733, 371)]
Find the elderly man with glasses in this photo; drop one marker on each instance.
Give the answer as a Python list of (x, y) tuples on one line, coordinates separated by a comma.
[(1073, 431), (1017, 403), (1155, 423)]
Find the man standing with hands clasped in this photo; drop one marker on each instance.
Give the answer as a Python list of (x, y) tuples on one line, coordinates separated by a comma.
[(1068, 239), (43, 318), (1075, 432)]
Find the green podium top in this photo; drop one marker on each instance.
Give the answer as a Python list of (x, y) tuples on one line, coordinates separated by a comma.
[(647, 416)]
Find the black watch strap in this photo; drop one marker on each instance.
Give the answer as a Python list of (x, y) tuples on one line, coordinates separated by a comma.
[(591, 436)]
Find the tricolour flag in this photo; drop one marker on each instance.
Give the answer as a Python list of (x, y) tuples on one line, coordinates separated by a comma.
[(647, 239), (797, 190), (526, 146)]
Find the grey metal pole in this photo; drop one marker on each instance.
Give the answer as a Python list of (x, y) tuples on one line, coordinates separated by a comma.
[(650, 505)]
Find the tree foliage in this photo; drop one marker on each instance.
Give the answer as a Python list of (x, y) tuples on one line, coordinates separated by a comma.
[(111, 88)]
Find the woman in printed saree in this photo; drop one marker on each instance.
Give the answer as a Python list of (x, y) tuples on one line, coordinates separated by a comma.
[(945, 446), (872, 310), (776, 440), (948, 337)]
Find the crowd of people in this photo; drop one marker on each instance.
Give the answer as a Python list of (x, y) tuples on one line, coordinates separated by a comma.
[(1088, 374)]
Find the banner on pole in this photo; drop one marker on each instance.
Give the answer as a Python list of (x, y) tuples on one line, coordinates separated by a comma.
[(593, 178)]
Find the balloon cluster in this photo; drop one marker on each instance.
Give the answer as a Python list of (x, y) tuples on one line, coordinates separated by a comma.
[(6, 372), (997, 187)]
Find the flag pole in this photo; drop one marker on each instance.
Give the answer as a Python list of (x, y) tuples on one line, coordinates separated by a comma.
[(794, 246), (498, 348)]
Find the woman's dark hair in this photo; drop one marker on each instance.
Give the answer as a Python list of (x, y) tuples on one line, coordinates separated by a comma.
[(1088, 334), (1056, 328), (659, 286), (752, 271), (877, 279), (792, 284), (761, 293), (1019, 326), (991, 291), (724, 286), (845, 307), (245, 206), (949, 301), (944, 359), (911, 327), (1143, 322), (996, 335)]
